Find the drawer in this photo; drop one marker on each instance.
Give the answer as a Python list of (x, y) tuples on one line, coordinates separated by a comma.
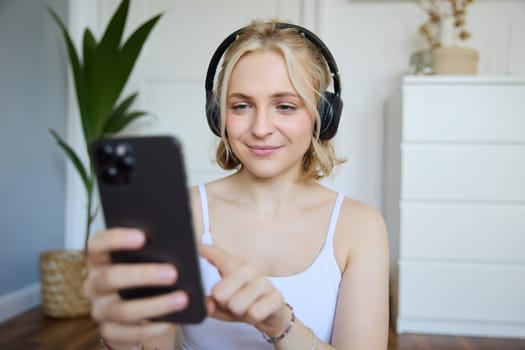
[(449, 291), (464, 112), (463, 172), (463, 232)]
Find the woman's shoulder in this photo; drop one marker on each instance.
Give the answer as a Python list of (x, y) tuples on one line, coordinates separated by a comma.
[(211, 189), (360, 223), (355, 215), (208, 187), (358, 212)]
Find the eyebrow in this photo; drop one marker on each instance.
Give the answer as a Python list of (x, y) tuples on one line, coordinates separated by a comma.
[(276, 95)]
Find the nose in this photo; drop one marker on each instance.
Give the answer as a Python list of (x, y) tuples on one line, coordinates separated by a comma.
[(262, 123)]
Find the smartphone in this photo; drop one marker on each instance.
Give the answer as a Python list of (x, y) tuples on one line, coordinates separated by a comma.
[(142, 184)]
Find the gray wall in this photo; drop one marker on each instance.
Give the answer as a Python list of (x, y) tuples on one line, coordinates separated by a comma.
[(33, 76)]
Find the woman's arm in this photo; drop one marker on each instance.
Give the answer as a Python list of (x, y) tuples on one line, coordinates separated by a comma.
[(362, 310), (361, 320)]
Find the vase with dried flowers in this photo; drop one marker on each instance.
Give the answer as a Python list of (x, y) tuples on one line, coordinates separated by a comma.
[(443, 29), (446, 22)]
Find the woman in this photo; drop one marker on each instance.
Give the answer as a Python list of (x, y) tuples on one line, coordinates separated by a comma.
[(290, 264)]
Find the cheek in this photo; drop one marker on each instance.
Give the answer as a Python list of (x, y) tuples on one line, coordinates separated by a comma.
[(307, 131), (302, 127), (232, 125)]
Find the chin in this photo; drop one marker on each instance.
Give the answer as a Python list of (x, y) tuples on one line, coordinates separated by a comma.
[(269, 172)]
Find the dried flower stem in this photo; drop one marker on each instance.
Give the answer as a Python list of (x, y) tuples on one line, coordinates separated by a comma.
[(438, 9)]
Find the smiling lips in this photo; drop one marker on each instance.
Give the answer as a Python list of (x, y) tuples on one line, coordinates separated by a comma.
[(263, 150)]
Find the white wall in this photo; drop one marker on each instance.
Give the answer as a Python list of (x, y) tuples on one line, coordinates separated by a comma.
[(372, 42)]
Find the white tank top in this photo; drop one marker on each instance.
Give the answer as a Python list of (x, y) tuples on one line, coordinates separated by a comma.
[(312, 293)]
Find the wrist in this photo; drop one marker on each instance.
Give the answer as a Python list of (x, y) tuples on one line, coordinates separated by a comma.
[(104, 344), (275, 336)]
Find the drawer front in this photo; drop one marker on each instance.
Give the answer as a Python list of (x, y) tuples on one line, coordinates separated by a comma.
[(463, 172), (481, 292), (463, 232), (464, 112)]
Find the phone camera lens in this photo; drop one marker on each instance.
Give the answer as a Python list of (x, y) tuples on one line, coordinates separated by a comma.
[(123, 149), (109, 174), (126, 163), (105, 152)]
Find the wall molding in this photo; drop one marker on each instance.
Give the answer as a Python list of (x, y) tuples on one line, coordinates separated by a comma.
[(14, 303)]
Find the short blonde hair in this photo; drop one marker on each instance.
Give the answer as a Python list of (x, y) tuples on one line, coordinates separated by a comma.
[(298, 53)]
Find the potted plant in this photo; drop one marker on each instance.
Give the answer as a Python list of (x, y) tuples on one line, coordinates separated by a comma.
[(99, 78)]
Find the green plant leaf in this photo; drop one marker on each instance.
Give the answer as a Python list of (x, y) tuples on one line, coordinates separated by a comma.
[(78, 74), (130, 52), (113, 35), (125, 104), (132, 47), (114, 66), (118, 112), (117, 123), (74, 159), (103, 97), (90, 51)]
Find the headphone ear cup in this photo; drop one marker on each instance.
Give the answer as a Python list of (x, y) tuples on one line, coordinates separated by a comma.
[(213, 115), (329, 108)]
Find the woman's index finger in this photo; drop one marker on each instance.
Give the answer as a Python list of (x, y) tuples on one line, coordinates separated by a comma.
[(222, 260)]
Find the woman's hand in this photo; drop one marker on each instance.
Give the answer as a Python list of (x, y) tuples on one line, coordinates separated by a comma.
[(244, 295), (124, 323)]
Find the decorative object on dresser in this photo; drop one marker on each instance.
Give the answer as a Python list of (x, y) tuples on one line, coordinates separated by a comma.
[(455, 205), (99, 78), (442, 31)]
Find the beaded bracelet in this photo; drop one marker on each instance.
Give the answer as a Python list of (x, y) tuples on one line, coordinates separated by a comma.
[(273, 340), (105, 345)]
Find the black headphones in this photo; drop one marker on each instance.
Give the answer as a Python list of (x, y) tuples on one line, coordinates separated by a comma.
[(329, 108)]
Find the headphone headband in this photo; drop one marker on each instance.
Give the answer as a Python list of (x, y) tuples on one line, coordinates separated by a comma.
[(329, 58), (329, 107)]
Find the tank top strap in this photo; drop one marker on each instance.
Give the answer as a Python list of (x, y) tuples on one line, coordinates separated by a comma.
[(204, 209), (335, 215)]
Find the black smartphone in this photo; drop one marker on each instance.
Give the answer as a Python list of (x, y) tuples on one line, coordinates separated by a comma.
[(142, 184)]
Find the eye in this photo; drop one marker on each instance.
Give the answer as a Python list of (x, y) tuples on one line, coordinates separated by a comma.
[(285, 107), (240, 107)]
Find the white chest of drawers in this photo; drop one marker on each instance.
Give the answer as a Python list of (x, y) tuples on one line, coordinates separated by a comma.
[(455, 205)]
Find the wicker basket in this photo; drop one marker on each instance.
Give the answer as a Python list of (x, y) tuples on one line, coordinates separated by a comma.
[(62, 274)]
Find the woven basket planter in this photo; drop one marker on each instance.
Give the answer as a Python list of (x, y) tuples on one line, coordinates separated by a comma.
[(62, 275)]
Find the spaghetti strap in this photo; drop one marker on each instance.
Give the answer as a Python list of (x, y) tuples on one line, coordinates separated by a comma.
[(204, 209), (335, 216)]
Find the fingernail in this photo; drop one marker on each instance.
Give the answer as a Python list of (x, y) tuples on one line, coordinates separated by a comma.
[(135, 236), (167, 274), (178, 300)]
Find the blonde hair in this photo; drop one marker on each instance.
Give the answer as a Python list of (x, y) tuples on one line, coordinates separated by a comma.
[(298, 53)]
